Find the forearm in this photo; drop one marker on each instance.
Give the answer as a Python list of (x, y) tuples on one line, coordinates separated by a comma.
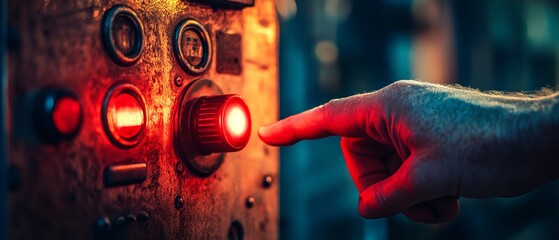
[(526, 137), (541, 134), (518, 134)]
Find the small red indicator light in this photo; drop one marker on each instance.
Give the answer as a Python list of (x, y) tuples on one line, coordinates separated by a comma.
[(124, 115), (127, 115), (57, 115), (66, 115)]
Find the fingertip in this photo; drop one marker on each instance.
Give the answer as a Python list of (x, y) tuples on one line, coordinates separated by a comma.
[(265, 134), (275, 135)]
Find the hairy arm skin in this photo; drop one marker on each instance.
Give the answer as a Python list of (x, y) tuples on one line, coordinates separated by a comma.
[(415, 147)]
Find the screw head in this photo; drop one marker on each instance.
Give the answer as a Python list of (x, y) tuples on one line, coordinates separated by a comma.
[(178, 81), (250, 201), (267, 181), (143, 216), (179, 167), (130, 219), (103, 224), (179, 202)]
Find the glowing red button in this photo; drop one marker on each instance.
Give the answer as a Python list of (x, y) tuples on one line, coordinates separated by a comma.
[(124, 115), (57, 115), (66, 115), (127, 115), (221, 123)]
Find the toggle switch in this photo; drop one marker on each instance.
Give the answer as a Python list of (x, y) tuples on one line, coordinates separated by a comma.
[(210, 123)]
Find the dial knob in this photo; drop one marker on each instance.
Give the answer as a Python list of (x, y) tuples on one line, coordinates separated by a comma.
[(209, 123), (221, 123)]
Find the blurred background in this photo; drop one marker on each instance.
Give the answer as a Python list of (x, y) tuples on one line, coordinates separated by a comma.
[(335, 48)]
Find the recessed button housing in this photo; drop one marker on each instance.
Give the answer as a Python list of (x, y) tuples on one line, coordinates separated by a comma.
[(57, 114), (192, 46), (123, 34), (124, 115), (208, 124)]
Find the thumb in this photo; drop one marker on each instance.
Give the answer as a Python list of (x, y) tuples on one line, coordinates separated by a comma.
[(402, 190)]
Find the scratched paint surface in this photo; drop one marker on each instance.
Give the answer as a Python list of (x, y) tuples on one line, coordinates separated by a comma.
[(62, 193)]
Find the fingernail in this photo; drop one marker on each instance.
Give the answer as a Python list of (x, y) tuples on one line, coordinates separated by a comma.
[(262, 131)]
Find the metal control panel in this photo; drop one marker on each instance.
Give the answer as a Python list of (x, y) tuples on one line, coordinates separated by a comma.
[(138, 120)]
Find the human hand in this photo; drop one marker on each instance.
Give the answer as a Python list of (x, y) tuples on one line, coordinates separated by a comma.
[(415, 147)]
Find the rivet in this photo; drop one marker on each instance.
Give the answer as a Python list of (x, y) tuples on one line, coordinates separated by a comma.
[(103, 224), (179, 167), (267, 181), (178, 81), (179, 202), (143, 216), (250, 201), (120, 221), (130, 219)]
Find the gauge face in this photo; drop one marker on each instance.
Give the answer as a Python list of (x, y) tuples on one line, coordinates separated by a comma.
[(123, 35), (192, 46), (124, 115)]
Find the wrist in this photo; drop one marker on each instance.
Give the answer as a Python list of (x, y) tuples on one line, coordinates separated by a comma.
[(535, 133)]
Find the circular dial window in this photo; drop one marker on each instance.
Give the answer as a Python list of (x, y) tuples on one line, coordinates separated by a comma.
[(123, 35), (192, 46)]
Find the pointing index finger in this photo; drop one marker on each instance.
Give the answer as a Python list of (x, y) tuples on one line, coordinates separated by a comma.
[(345, 117)]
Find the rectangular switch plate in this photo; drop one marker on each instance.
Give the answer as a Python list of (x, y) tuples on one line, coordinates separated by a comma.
[(125, 174), (229, 54)]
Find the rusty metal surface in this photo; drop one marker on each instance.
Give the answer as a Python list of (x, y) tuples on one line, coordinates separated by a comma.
[(62, 194), (229, 56)]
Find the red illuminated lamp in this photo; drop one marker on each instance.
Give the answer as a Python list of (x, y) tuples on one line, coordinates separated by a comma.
[(57, 115), (208, 124), (127, 115), (221, 123), (66, 115), (124, 115)]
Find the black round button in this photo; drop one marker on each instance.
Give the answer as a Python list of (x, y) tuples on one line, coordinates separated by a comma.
[(123, 35), (192, 46), (57, 114)]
